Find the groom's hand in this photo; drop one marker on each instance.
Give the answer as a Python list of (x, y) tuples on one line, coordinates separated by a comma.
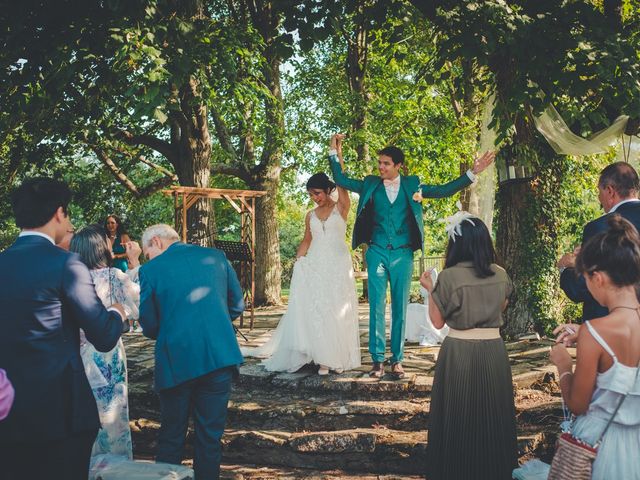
[(482, 162)]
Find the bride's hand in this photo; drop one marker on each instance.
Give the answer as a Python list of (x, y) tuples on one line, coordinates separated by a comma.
[(336, 141)]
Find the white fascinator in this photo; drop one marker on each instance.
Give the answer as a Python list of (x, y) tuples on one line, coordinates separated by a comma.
[(453, 223)]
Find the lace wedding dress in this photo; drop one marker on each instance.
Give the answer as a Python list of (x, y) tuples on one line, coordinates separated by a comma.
[(321, 322)]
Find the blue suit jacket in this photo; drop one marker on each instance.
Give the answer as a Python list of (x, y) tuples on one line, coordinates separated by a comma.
[(574, 285), (46, 296), (188, 297), (363, 228)]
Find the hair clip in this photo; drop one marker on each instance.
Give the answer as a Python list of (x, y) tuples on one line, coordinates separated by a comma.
[(453, 223)]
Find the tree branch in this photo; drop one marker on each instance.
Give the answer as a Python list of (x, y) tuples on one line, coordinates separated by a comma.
[(235, 170), (160, 146), (126, 182), (222, 132), (159, 168), (121, 178)]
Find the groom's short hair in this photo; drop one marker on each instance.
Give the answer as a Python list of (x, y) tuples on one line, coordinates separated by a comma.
[(396, 155), (622, 177), (37, 199)]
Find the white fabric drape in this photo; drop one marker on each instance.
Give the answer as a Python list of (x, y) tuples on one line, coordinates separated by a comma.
[(563, 141)]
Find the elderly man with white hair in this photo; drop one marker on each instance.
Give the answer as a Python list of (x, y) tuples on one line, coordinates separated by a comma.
[(188, 297)]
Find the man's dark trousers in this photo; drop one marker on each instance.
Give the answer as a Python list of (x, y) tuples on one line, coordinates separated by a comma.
[(208, 395)]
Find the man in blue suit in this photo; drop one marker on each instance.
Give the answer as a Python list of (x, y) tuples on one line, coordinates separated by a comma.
[(188, 297), (46, 296), (618, 189)]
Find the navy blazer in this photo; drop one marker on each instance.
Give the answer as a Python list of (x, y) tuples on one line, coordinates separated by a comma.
[(574, 285), (188, 297), (46, 296)]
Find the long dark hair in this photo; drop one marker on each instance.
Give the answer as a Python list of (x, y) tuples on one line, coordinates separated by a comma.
[(615, 251), (120, 229), (473, 245), (92, 245)]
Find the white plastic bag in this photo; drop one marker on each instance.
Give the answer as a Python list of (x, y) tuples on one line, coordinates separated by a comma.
[(114, 467), (532, 470)]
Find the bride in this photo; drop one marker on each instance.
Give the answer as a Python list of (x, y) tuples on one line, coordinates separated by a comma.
[(321, 321)]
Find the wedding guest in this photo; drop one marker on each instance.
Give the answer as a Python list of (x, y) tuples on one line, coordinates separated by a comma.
[(189, 296), (6, 395), (472, 427), (117, 238), (107, 371), (618, 188), (604, 387), (46, 297)]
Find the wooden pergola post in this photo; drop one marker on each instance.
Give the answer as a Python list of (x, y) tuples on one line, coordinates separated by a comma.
[(244, 252)]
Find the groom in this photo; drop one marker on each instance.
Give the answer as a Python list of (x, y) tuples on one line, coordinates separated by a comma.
[(389, 220)]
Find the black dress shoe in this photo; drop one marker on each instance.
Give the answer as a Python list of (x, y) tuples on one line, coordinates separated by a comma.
[(377, 371)]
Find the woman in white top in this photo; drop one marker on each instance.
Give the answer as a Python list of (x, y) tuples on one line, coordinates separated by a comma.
[(608, 354)]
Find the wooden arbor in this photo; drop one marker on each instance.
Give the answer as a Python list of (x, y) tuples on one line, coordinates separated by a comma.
[(241, 253)]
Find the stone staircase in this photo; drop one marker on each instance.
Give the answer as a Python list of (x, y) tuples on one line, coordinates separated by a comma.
[(301, 425)]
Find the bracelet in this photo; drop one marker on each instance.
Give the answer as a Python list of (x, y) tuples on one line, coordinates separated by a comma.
[(563, 374)]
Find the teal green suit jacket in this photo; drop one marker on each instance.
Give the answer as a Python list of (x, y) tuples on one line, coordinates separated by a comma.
[(408, 186)]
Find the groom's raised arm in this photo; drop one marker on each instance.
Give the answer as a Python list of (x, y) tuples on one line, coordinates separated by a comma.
[(447, 189), (339, 176), (438, 191)]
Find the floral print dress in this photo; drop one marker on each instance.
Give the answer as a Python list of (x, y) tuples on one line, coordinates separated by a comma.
[(107, 372)]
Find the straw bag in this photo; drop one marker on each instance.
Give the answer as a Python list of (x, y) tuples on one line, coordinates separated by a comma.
[(574, 458)]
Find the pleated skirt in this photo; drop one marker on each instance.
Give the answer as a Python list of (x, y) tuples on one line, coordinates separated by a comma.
[(472, 425)]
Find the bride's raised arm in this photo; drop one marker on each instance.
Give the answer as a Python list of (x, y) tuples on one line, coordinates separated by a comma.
[(344, 201)]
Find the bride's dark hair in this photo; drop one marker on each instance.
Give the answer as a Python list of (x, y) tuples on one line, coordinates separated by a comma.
[(321, 181)]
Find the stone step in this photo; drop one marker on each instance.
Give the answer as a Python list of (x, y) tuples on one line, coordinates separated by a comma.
[(371, 450), (353, 383), (298, 411), (249, 472), (295, 413), (357, 384)]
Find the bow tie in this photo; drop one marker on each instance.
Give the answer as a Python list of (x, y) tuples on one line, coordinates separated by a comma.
[(392, 183)]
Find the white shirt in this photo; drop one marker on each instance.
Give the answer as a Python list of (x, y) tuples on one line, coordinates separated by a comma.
[(615, 207), (33, 233)]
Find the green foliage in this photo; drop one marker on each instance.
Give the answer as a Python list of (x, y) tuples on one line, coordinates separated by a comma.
[(402, 109)]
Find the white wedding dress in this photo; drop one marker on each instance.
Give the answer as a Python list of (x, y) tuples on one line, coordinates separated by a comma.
[(321, 321)]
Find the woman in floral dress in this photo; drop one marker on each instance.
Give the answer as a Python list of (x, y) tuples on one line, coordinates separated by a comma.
[(107, 372)]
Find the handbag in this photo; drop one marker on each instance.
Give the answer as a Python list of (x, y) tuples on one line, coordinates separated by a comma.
[(574, 458)]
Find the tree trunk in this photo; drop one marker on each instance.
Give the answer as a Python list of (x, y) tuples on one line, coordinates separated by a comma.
[(356, 69), (268, 266), (193, 170), (527, 237), (267, 176)]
